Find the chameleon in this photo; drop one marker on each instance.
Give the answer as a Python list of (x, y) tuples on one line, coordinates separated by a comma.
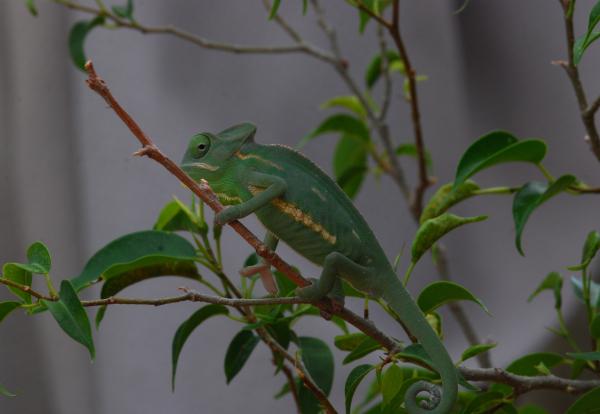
[(301, 205)]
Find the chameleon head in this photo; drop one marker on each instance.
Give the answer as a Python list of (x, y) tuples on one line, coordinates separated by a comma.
[(207, 154)]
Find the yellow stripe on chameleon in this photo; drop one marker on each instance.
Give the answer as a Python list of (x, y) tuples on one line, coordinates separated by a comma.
[(298, 215), (256, 157), (225, 199)]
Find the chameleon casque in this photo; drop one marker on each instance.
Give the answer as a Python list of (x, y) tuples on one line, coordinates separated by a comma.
[(299, 204)]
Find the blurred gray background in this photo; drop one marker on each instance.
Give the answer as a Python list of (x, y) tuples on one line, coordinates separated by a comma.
[(67, 178)]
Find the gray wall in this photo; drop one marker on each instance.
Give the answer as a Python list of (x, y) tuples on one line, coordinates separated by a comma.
[(67, 178)]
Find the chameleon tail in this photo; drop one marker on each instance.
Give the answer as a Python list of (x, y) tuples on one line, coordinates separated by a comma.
[(398, 298)]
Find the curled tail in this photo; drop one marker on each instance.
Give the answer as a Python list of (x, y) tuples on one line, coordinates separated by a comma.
[(401, 302)]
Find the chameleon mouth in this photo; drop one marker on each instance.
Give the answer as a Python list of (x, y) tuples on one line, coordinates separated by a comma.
[(201, 165)]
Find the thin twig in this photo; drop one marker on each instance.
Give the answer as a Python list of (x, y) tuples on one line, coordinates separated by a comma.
[(24, 288), (314, 388), (119, 22), (292, 386), (387, 79), (572, 71)]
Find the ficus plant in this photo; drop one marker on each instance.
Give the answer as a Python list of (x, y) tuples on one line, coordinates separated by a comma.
[(183, 242)]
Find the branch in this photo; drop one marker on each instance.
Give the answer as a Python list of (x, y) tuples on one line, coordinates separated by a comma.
[(24, 288), (195, 39), (586, 113)]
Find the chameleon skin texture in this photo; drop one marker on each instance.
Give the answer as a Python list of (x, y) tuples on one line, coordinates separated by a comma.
[(299, 204)]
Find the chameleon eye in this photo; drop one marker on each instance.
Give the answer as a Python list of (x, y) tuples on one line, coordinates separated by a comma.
[(202, 149)]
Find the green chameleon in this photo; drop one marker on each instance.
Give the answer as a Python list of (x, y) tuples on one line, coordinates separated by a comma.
[(299, 204)]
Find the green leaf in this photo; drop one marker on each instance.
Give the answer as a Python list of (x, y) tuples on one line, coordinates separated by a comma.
[(475, 350), (410, 150), (495, 148), (391, 383), (5, 392), (16, 273), (441, 292), (30, 4), (126, 12), (238, 352), (318, 360), (176, 216), (531, 409), (581, 45), (350, 102), (483, 402), (350, 164), (373, 72), (530, 197), (349, 342), (588, 403), (131, 248), (187, 327), (354, 379), (584, 356), (274, 9), (594, 291), (304, 7), (71, 316), (553, 281), (340, 123), (6, 308), (526, 365), (433, 229), (77, 37), (590, 248), (593, 18), (285, 389), (595, 327), (100, 316), (364, 348), (39, 258), (446, 197)]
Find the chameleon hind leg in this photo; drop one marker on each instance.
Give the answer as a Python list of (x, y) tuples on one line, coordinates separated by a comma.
[(263, 268), (335, 267)]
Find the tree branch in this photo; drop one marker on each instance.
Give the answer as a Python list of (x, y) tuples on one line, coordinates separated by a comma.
[(26, 289), (300, 47), (572, 71)]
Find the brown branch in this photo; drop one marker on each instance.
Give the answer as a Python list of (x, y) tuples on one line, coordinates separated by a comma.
[(300, 47), (24, 288), (292, 385), (572, 71), (314, 388)]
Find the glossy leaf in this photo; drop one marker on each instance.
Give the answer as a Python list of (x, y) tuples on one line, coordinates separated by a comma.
[(131, 248), (584, 356), (5, 392), (349, 102), (126, 11), (588, 403), (354, 379), (435, 228), (590, 248), (495, 148), (475, 350), (186, 329), (446, 197), (530, 197), (364, 348), (274, 9), (77, 36), (340, 123), (526, 365), (71, 316), (6, 308), (531, 409), (16, 273), (595, 327), (483, 402), (553, 281), (176, 216), (120, 276), (391, 383), (581, 45), (30, 4), (100, 316), (238, 352), (349, 342), (374, 72), (39, 258), (441, 292), (594, 290), (350, 164), (318, 360)]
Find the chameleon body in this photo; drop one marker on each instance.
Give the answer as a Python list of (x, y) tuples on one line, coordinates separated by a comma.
[(299, 204)]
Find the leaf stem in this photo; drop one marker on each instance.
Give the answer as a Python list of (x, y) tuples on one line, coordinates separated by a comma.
[(409, 271), (545, 172)]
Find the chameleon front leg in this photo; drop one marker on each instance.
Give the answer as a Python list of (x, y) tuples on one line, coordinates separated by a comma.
[(263, 268), (273, 187)]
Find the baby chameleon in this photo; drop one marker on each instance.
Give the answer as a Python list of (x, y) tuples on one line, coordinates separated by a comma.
[(299, 204)]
